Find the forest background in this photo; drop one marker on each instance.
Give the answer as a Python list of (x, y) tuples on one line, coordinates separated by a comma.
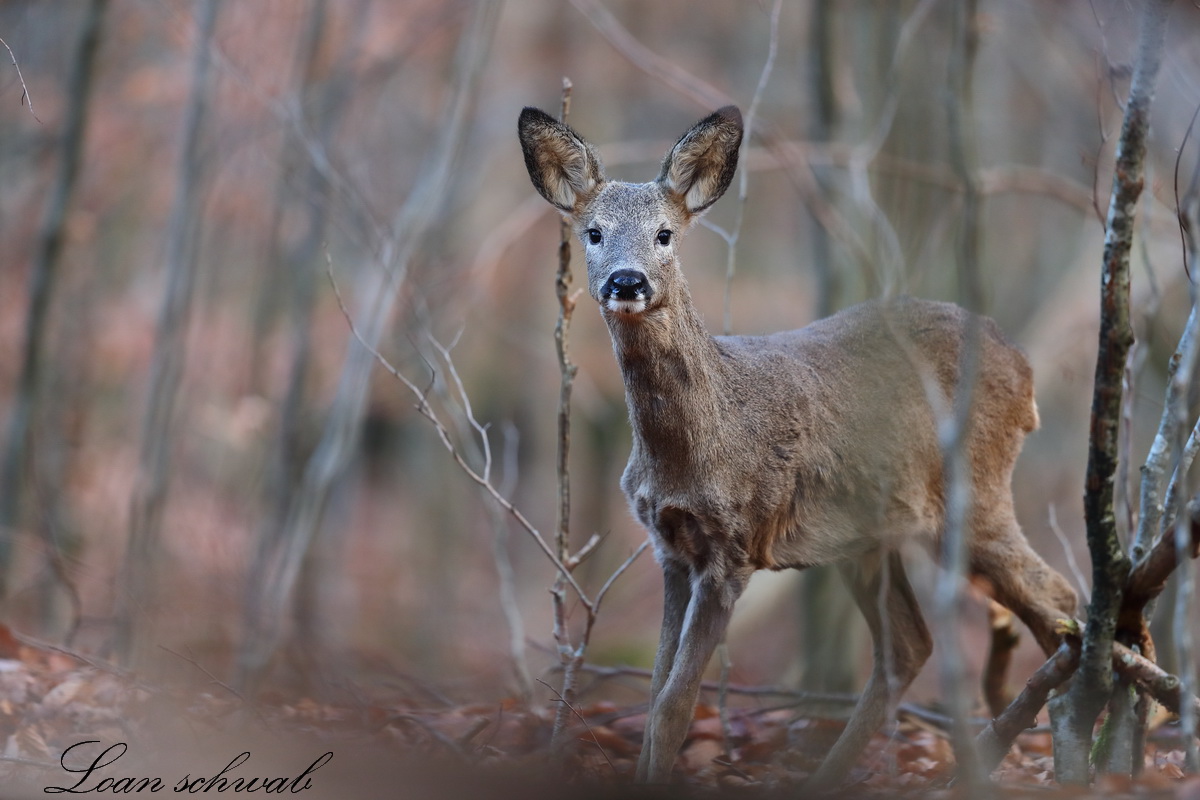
[(200, 458)]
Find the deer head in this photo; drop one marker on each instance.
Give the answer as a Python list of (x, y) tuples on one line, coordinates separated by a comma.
[(630, 231)]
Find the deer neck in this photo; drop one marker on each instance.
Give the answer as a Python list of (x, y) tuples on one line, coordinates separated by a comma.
[(672, 373)]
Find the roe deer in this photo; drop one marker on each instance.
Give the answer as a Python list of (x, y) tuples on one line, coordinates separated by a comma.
[(813, 446)]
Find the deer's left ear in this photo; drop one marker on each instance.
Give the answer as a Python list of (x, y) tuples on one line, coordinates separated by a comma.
[(700, 166)]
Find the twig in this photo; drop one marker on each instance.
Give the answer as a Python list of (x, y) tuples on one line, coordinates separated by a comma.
[(26, 97), (743, 178), (1151, 504), (1180, 214), (1072, 564), (626, 564), (217, 681), (95, 663), (1149, 576), (439, 737), (579, 716), (426, 410), (709, 96), (30, 762), (812, 703), (1171, 505)]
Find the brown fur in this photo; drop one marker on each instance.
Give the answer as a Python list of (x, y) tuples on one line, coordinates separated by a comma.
[(813, 446)]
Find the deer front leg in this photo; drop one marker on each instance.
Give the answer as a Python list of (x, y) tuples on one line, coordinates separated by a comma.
[(703, 623), (677, 593)]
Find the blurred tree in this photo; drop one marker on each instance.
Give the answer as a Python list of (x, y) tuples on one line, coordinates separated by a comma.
[(15, 463), (379, 286), (832, 627), (136, 596)]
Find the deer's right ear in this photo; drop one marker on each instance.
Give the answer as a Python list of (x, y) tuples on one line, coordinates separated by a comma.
[(564, 168)]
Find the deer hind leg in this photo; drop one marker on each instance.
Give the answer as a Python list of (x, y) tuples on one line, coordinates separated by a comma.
[(1021, 581), (709, 607), (902, 644)]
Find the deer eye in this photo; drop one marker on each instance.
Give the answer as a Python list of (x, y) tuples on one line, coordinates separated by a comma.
[(593, 236), (664, 238)]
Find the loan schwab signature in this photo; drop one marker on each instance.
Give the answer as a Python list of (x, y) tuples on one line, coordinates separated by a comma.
[(90, 780)]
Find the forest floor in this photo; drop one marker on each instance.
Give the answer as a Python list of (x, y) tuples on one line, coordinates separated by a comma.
[(73, 725)]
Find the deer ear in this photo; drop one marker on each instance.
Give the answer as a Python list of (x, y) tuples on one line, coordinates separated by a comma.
[(700, 166), (564, 168)]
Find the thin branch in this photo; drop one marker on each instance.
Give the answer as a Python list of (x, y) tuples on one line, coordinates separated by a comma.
[(426, 410), (808, 702), (1149, 576), (26, 97), (731, 239), (580, 717), (626, 564), (1187, 455), (445, 741), (1180, 213), (213, 678), (709, 96), (1069, 552), (1154, 471)]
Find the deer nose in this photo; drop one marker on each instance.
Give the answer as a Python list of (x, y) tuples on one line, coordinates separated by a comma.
[(626, 284)]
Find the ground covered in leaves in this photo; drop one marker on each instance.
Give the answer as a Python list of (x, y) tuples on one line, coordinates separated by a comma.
[(70, 724)]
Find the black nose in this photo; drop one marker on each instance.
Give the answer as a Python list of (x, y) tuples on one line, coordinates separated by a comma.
[(626, 284)]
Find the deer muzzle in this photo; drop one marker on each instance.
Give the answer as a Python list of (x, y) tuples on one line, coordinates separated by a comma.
[(627, 291)]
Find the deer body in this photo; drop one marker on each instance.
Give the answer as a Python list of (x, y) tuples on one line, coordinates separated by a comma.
[(807, 447)]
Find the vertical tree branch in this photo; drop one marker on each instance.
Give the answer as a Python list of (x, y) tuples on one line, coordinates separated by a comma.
[(567, 370), (955, 427), (1110, 567), (42, 279), (167, 362), (570, 657)]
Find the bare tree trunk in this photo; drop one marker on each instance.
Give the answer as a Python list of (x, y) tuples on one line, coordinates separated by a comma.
[(273, 587), (43, 275), (136, 589), (1093, 682), (834, 631)]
